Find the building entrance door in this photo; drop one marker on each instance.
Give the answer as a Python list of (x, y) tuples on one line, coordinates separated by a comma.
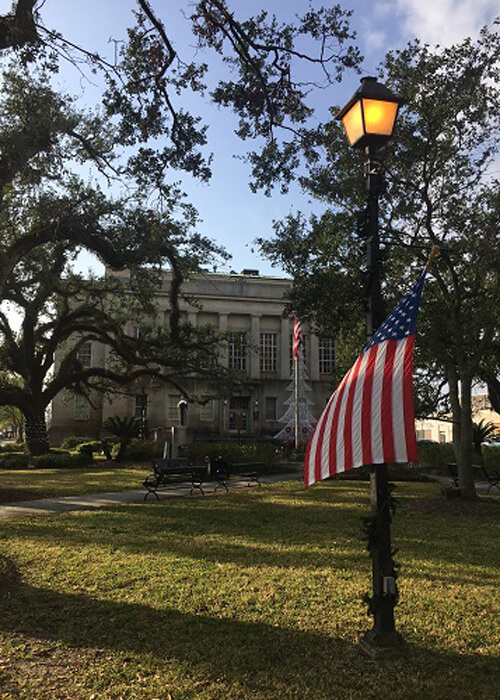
[(239, 415)]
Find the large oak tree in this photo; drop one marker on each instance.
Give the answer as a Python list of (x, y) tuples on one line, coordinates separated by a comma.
[(440, 189), (138, 140)]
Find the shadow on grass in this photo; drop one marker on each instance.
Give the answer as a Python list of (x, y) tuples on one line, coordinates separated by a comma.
[(242, 530), (316, 529), (254, 655)]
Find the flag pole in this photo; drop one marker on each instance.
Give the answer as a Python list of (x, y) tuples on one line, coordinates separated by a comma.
[(296, 397)]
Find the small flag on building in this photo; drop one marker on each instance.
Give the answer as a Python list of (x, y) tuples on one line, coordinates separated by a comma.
[(297, 337), (370, 417)]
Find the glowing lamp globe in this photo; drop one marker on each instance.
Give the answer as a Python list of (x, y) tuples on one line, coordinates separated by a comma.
[(370, 115)]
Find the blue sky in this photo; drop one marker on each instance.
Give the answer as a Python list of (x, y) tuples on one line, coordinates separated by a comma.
[(231, 214)]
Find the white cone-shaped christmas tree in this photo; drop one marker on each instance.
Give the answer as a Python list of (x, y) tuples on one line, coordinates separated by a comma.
[(298, 406)]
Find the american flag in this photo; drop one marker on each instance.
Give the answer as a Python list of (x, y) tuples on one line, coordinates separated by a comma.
[(297, 337), (370, 417)]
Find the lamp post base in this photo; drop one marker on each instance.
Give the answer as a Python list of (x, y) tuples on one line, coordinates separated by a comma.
[(375, 644)]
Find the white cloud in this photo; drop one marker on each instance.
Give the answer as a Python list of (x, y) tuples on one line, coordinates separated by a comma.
[(373, 39), (445, 22), (382, 9)]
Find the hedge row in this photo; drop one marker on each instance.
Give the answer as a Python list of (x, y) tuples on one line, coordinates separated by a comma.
[(271, 455), (12, 447), (52, 460)]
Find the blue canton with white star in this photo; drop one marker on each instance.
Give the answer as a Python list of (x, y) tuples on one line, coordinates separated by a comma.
[(402, 322)]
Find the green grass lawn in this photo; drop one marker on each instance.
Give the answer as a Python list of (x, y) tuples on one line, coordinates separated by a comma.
[(30, 484), (257, 594)]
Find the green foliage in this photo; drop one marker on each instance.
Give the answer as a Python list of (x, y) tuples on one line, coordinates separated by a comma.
[(481, 432), (69, 443), (15, 460), (55, 459), (434, 456), (12, 447), (56, 212), (231, 452), (439, 188), (143, 450), (86, 447), (123, 428), (59, 460), (491, 456)]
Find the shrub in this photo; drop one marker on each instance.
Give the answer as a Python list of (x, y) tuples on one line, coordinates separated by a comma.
[(12, 447), (15, 460), (231, 452), (433, 456), (141, 450), (73, 441), (94, 445), (59, 460), (491, 456), (125, 429)]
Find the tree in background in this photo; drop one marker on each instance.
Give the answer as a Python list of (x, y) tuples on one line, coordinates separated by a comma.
[(60, 312), (12, 421), (440, 189), (137, 141), (258, 78)]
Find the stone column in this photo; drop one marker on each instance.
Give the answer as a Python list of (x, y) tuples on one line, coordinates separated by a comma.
[(254, 350), (314, 358), (223, 329)]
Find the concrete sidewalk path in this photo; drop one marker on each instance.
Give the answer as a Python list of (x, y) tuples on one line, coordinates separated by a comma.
[(61, 504), (481, 486)]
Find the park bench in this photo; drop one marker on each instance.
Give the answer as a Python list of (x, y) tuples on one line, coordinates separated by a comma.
[(492, 478), (167, 471), (222, 471), (482, 474)]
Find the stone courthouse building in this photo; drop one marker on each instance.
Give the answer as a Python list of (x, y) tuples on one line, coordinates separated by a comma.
[(251, 309)]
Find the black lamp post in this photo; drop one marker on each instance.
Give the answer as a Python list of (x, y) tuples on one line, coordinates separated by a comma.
[(183, 407), (368, 119)]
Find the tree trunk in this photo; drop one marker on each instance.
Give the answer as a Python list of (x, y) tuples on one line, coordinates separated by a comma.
[(124, 442), (455, 410), (37, 439), (464, 461)]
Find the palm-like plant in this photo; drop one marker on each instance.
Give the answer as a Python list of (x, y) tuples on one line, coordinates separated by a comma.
[(481, 432), (125, 429)]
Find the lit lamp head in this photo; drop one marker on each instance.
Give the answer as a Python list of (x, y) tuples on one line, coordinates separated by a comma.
[(369, 116)]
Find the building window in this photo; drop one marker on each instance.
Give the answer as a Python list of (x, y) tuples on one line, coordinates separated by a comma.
[(141, 405), (270, 408), (81, 408), (207, 411), (84, 354), (141, 332), (326, 355), (237, 355), (268, 352), (173, 413)]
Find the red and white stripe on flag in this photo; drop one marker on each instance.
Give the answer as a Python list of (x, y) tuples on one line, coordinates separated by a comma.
[(370, 417), (297, 337)]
